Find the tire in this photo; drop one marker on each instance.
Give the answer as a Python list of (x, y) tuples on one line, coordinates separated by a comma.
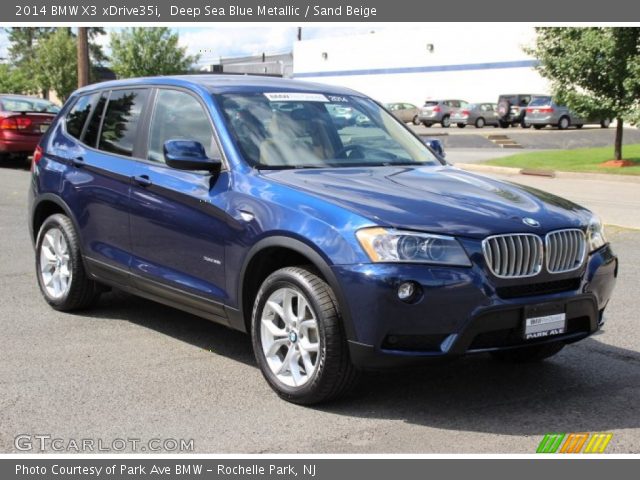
[(446, 121), (563, 123), (503, 109), (605, 123), (538, 127), (480, 123), (534, 353), (79, 291), (332, 374), (428, 125), (524, 124), (503, 124), (415, 121)]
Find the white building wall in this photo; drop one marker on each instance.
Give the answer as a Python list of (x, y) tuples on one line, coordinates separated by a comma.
[(468, 62)]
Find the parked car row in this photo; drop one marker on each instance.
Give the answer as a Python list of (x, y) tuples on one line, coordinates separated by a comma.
[(525, 110), (23, 120)]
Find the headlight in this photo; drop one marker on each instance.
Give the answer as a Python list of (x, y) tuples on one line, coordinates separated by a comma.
[(595, 234), (388, 245)]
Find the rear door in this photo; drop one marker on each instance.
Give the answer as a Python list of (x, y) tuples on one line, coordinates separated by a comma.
[(178, 226), (97, 186)]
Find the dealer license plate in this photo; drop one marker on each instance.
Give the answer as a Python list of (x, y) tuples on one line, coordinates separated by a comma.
[(543, 322)]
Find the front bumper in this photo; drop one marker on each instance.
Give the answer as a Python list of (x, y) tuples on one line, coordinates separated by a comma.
[(462, 310)]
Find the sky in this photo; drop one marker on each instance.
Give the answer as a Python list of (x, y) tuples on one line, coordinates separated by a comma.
[(211, 43)]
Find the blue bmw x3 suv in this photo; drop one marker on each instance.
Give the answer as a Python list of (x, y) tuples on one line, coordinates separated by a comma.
[(337, 246)]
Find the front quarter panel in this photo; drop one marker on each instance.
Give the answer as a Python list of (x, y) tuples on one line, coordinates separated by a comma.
[(261, 208)]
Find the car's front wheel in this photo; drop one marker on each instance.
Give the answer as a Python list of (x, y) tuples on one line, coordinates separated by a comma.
[(533, 353), (416, 121), (298, 337), (59, 268)]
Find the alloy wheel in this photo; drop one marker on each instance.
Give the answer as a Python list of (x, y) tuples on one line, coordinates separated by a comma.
[(290, 337), (55, 264)]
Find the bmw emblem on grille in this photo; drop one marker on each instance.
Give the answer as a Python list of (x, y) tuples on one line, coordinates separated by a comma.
[(532, 222)]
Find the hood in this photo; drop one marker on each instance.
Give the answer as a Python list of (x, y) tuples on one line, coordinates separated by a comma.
[(436, 199)]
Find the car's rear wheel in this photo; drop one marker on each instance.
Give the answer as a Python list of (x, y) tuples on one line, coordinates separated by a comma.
[(298, 337), (533, 353), (605, 123), (446, 121), (59, 267), (563, 123), (415, 121), (480, 123), (503, 124)]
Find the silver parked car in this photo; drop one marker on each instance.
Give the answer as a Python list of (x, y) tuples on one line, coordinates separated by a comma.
[(439, 111), (405, 112), (477, 114), (543, 111)]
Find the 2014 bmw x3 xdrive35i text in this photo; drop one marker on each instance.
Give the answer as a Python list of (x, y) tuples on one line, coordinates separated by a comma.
[(338, 247)]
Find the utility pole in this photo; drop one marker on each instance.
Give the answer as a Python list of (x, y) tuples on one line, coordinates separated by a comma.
[(83, 57)]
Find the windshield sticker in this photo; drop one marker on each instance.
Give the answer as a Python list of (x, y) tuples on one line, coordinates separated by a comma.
[(333, 98), (296, 97)]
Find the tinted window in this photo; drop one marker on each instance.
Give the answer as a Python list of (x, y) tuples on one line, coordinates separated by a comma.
[(430, 103), (120, 124), (78, 115), (93, 127), (179, 116)]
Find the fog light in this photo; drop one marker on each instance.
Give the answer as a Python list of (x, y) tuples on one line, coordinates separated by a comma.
[(406, 291)]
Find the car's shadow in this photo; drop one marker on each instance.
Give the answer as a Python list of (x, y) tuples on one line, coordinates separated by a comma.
[(15, 163), (589, 386)]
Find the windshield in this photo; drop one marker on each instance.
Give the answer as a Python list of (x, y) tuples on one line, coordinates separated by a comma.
[(23, 104), (313, 130)]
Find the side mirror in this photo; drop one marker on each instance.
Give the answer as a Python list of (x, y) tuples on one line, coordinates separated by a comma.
[(435, 145), (189, 155)]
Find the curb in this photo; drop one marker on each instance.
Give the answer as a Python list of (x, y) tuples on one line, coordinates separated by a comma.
[(609, 177)]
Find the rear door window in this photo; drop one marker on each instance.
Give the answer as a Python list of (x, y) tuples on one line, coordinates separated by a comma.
[(121, 118)]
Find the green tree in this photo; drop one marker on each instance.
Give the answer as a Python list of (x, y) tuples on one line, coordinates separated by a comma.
[(140, 52), (595, 71), (23, 44), (55, 64), (13, 80)]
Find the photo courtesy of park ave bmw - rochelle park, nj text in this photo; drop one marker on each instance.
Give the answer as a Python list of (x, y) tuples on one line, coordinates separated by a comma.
[(298, 240)]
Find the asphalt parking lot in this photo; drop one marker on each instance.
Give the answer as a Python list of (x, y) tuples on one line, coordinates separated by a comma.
[(131, 368)]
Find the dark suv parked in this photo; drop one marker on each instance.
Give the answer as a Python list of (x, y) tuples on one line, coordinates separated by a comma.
[(512, 109), (249, 201)]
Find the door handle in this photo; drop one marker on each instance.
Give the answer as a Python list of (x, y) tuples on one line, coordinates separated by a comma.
[(142, 180), (78, 161)]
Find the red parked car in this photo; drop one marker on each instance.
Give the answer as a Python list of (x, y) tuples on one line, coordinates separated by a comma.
[(23, 120)]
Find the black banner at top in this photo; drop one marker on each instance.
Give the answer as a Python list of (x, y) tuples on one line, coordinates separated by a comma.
[(155, 11)]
